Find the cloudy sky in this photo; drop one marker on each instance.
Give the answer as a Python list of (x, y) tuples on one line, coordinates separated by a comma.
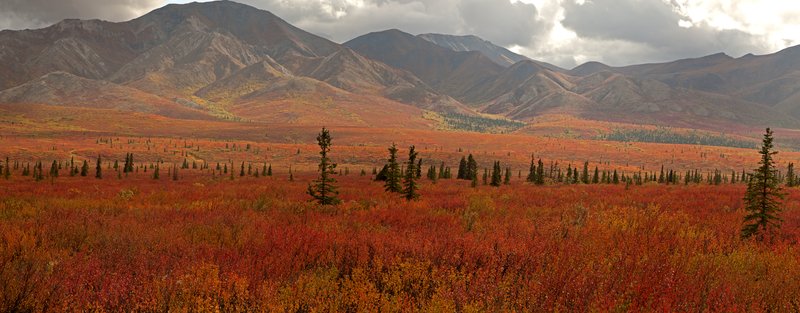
[(563, 32)]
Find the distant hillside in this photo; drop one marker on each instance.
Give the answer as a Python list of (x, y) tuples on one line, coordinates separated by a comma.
[(225, 60)]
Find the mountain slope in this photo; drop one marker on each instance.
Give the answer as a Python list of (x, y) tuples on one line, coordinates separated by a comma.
[(64, 89), (449, 72), (235, 61), (194, 51)]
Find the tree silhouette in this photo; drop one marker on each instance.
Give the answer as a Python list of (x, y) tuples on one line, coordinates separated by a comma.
[(323, 189), (763, 196)]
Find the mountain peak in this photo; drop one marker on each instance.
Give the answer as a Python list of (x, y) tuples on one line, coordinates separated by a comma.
[(589, 68), (463, 43)]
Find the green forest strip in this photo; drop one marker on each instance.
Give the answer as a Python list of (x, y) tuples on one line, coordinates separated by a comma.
[(480, 124), (665, 135)]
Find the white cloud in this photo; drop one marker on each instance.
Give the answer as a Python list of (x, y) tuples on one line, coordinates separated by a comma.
[(777, 21)]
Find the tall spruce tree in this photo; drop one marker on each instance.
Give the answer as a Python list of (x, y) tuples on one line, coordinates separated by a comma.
[(410, 182), (393, 171), (323, 189), (497, 175), (763, 196)]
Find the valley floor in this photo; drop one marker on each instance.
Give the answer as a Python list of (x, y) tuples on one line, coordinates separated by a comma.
[(216, 240), (258, 244)]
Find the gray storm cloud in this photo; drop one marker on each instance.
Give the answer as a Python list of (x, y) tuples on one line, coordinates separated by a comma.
[(500, 21), (617, 32), (21, 14)]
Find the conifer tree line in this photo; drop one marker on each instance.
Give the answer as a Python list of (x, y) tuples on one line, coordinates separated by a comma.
[(393, 172)]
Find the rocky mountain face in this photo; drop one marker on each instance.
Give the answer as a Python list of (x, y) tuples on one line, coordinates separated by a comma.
[(497, 54), (677, 93), (228, 60), (210, 55)]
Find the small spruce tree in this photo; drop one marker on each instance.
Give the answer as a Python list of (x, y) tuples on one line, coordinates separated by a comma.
[(98, 173), (496, 174), (323, 189), (393, 171), (410, 182)]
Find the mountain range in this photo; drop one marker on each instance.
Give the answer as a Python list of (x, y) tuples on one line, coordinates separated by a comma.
[(225, 60)]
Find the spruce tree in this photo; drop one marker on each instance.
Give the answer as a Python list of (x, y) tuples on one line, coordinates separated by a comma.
[(763, 196), (155, 173), (507, 178), (323, 189), (393, 171), (532, 171), (85, 168), (98, 173), (790, 177), (474, 182), (585, 174), (462, 169), (54, 169), (40, 172), (596, 177), (496, 174), (432, 173), (7, 170), (540, 173), (472, 167), (383, 174), (409, 183)]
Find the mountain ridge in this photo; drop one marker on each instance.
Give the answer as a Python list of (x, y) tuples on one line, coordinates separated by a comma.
[(215, 59)]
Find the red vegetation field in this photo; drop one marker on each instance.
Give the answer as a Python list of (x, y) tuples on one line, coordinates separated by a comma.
[(212, 242), (257, 244)]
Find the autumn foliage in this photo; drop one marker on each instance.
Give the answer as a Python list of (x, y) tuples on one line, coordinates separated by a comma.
[(258, 244)]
